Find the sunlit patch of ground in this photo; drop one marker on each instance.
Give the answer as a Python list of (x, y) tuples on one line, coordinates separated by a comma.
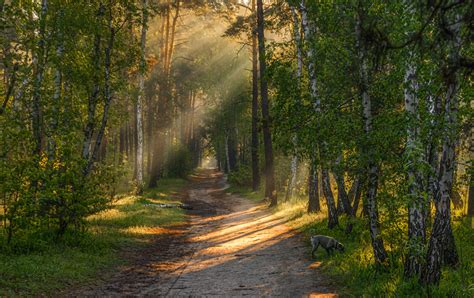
[(314, 265), (319, 295), (142, 230)]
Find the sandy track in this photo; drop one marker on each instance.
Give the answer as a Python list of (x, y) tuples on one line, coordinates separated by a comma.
[(230, 247)]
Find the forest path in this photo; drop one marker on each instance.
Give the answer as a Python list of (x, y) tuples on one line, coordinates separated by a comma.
[(230, 247)]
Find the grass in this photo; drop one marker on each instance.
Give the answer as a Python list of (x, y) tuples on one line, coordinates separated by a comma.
[(248, 193), (48, 267), (354, 271)]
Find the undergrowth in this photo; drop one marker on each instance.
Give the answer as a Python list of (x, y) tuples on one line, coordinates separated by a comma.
[(40, 265), (354, 271)]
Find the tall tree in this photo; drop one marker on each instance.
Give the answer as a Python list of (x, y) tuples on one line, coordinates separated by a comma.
[(416, 200), (299, 72), (141, 91), (309, 34), (442, 247), (255, 140), (270, 190), (39, 64), (313, 189), (372, 168)]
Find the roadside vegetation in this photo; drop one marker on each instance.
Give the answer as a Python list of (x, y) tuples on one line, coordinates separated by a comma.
[(40, 265), (354, 271)]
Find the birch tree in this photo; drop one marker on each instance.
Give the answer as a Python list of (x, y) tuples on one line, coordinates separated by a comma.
[(416, 200), (141, 91), (372, 168), (299, 72), (442, 247), (309, 33)]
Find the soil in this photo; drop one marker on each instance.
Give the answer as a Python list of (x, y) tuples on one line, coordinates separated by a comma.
[(230, 246)]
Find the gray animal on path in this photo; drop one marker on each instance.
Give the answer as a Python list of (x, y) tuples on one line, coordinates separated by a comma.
[(328, 243)]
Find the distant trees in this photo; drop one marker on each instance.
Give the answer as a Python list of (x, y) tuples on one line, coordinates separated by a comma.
[(88, 97)]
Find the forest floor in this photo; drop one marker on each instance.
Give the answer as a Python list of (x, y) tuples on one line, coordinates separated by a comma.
[(229, 246)]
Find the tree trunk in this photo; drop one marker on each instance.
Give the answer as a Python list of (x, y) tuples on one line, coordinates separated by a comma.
[(255, 141), (470, 202), (432, 156), (333, 220), (232, 149), (170, 51), (227, 158), (10, 86), (357, 196), (92, 100), (141, 91), (342, 196), (270, 191), (156, 163), (309, 31), (56, 105), (107, 94), (313, 189), (371, 195), (293, 173), (294, 139), (416, 201), (442, 247), (39, 61)]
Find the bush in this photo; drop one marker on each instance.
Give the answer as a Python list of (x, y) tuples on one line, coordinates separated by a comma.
[(241, 177), (48, 196), (179, 163)]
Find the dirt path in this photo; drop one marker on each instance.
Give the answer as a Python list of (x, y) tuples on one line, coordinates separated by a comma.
[(231, 247)]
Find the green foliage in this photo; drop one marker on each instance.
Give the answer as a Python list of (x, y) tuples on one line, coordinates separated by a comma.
[(179, 162), (241, 177), (51, 177), (38, 265)]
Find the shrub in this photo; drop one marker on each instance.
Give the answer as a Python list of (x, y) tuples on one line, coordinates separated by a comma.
[(242, 176), (179, 163)]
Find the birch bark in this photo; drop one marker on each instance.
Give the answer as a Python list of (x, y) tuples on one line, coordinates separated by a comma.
[(309, 33), (141, 91), (372, 168), (441, 247)]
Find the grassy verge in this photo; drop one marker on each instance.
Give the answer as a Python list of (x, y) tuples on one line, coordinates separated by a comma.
[(248, 193), (354, 271), (50, 267)]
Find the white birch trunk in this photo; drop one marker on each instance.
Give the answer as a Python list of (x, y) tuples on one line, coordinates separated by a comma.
[(414, 152), (442, 248), (141, 91), (371, 196), (416, 201), (108, 98), (309, 33), (294, 139)]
